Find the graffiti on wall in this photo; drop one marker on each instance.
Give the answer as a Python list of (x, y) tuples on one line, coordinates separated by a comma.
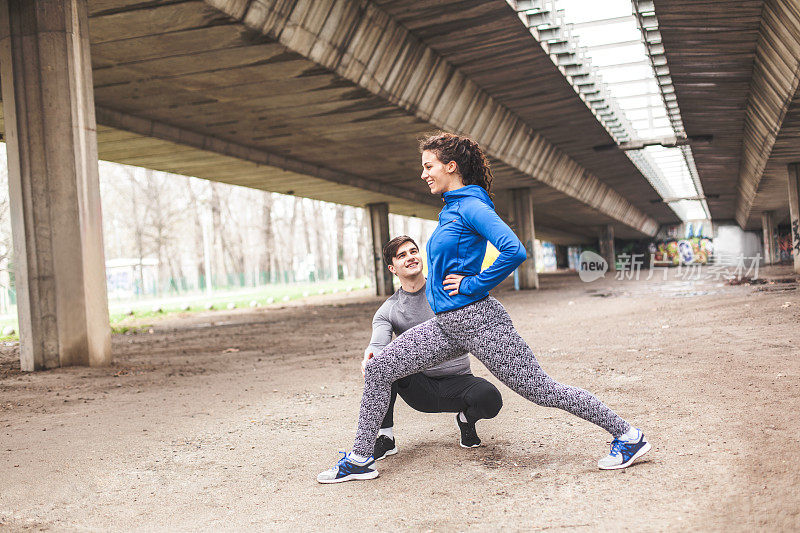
[(784, 247), (695, 250)]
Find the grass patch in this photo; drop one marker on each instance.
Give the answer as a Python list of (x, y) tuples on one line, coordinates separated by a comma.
[(127, 317), (119, 329)]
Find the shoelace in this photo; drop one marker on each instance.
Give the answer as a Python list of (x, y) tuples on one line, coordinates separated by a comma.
[(344, 459), (616, 446), (341, 461)]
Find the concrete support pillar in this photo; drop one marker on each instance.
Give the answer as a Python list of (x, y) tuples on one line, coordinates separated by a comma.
[(794, 212), (379, 229), (562, 256), (522, 212), (768, 234), (48, 106), (606, 238)]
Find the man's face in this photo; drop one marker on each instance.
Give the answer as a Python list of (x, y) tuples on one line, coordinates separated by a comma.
[(407, 262)]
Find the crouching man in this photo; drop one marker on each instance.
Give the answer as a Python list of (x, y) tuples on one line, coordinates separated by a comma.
[(448, 387)]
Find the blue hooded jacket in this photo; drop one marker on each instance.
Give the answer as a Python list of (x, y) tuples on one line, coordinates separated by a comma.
[(458, 246)]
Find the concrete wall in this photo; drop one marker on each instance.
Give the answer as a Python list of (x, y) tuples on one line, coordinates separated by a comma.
[(731, 240)]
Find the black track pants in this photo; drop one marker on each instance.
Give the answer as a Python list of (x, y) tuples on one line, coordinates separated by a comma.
[(475, 396)]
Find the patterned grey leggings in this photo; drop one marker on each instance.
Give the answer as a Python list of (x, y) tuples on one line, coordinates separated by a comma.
[(484, 329)]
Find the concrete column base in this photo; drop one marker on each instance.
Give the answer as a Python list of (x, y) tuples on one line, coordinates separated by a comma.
[(768, 237), (379, 226), (607, 252), (48, 106), (794, 212), (522, 213)]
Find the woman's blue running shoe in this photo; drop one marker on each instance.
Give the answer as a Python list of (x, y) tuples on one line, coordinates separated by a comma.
[(346, 470), (624, 452)]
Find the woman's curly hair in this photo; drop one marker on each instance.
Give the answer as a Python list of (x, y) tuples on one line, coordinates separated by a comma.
[(472, 163)]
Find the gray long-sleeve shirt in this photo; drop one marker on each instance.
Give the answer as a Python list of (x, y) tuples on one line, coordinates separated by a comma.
[(404, 310)]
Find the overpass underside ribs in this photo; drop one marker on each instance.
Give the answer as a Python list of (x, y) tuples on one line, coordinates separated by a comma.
[(379, 226), (638, 81), (364, 45), (775, 82), (54, 190)]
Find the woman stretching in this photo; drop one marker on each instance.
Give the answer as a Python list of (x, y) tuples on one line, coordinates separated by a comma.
[(467, 318)]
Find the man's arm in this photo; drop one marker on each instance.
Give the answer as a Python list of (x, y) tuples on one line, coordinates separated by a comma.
[(381, 335)]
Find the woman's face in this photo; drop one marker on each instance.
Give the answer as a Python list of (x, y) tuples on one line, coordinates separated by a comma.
[(440, 177)]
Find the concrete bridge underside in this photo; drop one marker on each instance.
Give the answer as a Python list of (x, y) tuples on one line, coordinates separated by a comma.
[(323, 99), (735, 67), (736, 71), (168, 71)]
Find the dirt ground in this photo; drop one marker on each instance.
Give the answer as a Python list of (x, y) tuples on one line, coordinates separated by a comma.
[(222, 421)]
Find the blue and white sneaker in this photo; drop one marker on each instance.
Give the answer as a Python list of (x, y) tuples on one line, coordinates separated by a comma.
[(625, 450), (347, 470)]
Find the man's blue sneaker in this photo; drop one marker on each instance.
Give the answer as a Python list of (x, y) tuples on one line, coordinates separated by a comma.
[(624, 451), (346, 470)]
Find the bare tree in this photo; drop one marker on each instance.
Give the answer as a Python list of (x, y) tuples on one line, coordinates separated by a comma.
[(6, 245), (318, 215), (305, 229), (233, 241), (340, 246), (365, 263), (267, 261), (197, 204), (164, 212), (150, 214), (218, 264), (289, 234), (137, 224), (7, 281)]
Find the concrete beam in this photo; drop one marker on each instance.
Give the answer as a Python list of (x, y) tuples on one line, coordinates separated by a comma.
[(794, 212), (522, 212), (607, 251), (768, 236), (379, 229), (562, 237), (167, 132), (504, 206), (775, 81), (48, 108), (362, 44)]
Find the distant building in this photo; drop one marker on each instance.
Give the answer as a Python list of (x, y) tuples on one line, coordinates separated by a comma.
[(127, 278)]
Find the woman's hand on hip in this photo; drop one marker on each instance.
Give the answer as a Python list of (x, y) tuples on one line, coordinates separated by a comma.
[(451, 283)]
